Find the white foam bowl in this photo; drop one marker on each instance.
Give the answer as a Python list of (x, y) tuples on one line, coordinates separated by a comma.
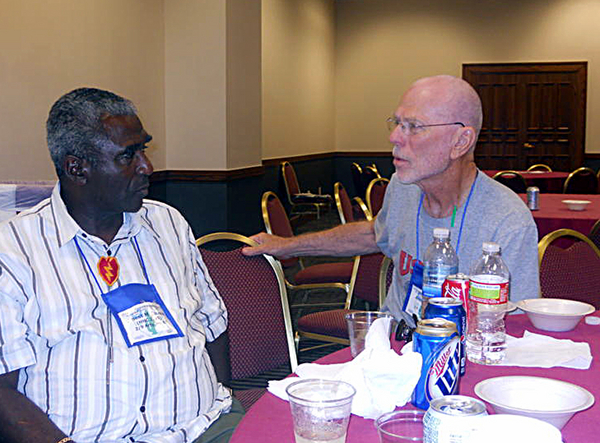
[(502, 428), (555, 314), (553, 401), (576, 205)]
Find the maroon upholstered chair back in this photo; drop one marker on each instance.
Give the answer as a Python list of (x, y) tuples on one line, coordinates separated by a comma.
[(594, 234), (290, 179), (368, 175), (581, 181), (571, 273), (251, 291), (356, 172), (276, 221), (343, 203), (366, 284), (512, 180), (375, 194)]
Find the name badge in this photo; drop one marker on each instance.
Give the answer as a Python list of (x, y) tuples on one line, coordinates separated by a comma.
[(141, 314), (414, 294)]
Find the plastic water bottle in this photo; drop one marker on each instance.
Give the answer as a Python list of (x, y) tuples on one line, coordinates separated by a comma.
[(488, 297), (439, 262)]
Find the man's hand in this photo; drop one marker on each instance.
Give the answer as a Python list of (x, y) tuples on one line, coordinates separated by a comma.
[(269, 244)]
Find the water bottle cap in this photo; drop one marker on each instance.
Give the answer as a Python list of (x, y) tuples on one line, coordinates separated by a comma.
[(442, 233), (489, 246)]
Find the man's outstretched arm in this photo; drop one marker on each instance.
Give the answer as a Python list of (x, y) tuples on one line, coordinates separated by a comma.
[(342, 241), (20, 419)]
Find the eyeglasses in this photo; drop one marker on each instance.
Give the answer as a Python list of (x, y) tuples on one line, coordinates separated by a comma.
[(411, 128)]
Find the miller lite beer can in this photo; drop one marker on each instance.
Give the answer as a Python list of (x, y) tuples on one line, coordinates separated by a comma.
[(450, 419), (457, 286), (533, 198), (437, 340), (451, 309)]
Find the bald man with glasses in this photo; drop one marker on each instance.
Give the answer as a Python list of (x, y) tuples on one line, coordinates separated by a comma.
[(436, 183)]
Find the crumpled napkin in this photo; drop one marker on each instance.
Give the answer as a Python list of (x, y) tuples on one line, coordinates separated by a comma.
[(382, 378), (541, 351)]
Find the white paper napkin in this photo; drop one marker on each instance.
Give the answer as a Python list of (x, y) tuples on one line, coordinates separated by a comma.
[(382, 378), (541, 351)]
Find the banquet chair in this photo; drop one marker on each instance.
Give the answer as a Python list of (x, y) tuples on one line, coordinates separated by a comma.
[(369, 173), (386, 274), (335, 275), (512, 180), (253, 290), (349, 210), (594, 234), (581, 181), (301, 203), (375, 194), (330, 326), (356, 172), (539, 167), (571, 272)]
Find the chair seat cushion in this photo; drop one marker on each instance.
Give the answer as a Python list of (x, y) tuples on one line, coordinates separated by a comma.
[(248, 397), (326, 323), (325, 273)]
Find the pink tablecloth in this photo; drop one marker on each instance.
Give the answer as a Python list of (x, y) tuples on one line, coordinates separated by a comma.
[(269, 420), (554, 214), (546, 181)]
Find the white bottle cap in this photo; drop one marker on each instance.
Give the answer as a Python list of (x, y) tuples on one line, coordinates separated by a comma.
[(489, 246), (441, 233)]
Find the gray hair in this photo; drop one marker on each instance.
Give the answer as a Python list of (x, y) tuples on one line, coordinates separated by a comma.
[(74, 125)]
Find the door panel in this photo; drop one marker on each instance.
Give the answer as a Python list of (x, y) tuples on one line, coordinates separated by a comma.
[(533, 113)]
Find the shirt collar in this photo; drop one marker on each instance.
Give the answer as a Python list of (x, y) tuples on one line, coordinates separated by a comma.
[(67, 228)]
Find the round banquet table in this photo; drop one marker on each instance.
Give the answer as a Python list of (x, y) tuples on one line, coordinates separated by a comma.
[(270, 420), (554, 214)]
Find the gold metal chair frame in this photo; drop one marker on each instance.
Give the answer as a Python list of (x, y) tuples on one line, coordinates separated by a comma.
[(287, 318), (294, 206), (344, 287), (508, 171), (594, 229), (549, 238), (574, 173), (539, 166), (338, 204), (383, 290), (373, 183)]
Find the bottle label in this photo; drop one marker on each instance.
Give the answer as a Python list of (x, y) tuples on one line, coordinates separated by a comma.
[(433, 279), (488, 289)]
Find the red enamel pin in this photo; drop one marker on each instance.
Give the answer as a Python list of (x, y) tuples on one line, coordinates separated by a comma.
[(108, 267)]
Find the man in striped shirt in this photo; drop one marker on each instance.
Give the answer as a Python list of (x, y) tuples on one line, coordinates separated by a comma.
[(72, 370)]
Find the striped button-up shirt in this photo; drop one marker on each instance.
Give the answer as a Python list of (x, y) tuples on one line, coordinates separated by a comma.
[(73, 361)]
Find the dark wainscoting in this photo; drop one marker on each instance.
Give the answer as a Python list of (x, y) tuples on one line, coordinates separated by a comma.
[(230, 200)]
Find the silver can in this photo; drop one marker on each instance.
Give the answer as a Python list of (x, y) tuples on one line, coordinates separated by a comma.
[(533, 198), (449, 419)]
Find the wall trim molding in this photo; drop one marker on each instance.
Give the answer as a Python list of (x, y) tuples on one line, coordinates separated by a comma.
[(181, 175), (205, 176)]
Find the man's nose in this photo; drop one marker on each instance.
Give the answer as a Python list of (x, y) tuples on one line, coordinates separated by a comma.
[(397, 136), (144, 164)]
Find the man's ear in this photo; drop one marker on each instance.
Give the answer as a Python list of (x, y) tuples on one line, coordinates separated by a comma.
[(76, 169), (464, 142)]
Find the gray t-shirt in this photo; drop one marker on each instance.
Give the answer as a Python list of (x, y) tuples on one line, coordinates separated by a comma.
[(495, 213)]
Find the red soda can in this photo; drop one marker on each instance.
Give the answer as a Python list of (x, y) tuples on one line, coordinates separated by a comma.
[(457, 286)]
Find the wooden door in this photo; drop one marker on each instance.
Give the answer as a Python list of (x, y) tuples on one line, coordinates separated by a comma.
[(532, 113)]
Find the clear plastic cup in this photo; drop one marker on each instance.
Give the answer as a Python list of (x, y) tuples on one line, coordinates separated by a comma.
[(400, 426), (358, 326), (320, 410)]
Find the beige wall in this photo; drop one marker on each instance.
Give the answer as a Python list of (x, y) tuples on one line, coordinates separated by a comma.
[(50, 47), (298, 53), (383, 45)]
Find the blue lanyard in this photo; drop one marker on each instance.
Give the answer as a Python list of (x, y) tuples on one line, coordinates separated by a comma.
[(94, 275), (462, 221)]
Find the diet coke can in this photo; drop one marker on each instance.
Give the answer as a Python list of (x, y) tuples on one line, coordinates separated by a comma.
[(457, 286), (450, 419)]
